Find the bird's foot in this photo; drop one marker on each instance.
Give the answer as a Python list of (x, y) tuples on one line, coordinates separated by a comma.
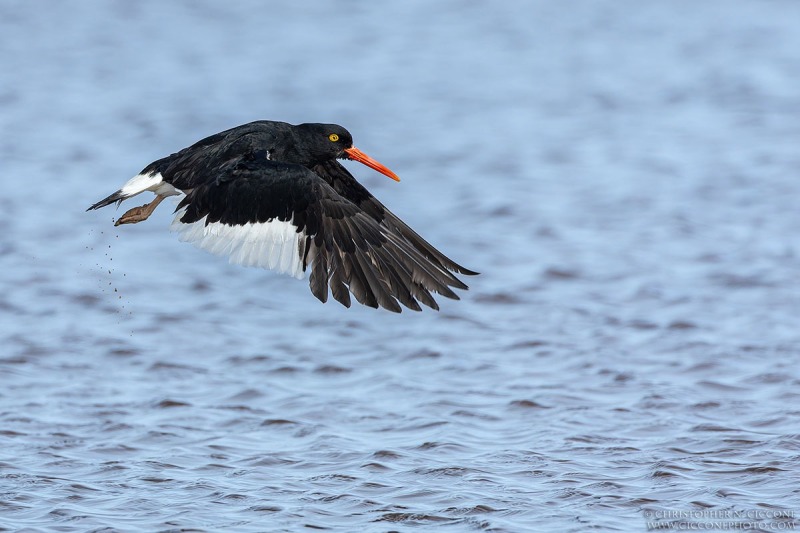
[(138, 214), (132, 216)]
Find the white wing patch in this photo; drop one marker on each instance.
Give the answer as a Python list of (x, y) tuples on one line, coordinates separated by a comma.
[(273, 245), (148, 182)]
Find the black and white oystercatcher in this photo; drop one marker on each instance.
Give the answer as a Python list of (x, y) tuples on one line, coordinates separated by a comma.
[(273, 195)]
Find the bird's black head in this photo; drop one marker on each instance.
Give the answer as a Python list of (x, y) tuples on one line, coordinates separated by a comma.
[(323, 142)]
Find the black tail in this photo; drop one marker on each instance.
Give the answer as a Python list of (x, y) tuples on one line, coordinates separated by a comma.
[(116, 197)]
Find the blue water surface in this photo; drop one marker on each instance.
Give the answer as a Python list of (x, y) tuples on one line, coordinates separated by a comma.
[(622, 173)]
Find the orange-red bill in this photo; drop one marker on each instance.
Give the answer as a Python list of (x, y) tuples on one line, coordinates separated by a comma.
[(357, 155)]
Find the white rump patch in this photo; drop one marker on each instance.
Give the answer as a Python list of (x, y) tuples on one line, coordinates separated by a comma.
[(148, 182), (272, 245)]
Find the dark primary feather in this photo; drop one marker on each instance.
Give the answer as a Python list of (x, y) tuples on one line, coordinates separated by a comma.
[(346, 248), (346, 185)]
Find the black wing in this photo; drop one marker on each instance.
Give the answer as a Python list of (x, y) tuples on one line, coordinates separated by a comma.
[(202, 161), (345, 248), (346, 185)]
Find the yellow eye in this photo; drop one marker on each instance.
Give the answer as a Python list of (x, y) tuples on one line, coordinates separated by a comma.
[(333, 137)]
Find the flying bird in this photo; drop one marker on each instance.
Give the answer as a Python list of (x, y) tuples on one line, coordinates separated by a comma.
[(273, 195)]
